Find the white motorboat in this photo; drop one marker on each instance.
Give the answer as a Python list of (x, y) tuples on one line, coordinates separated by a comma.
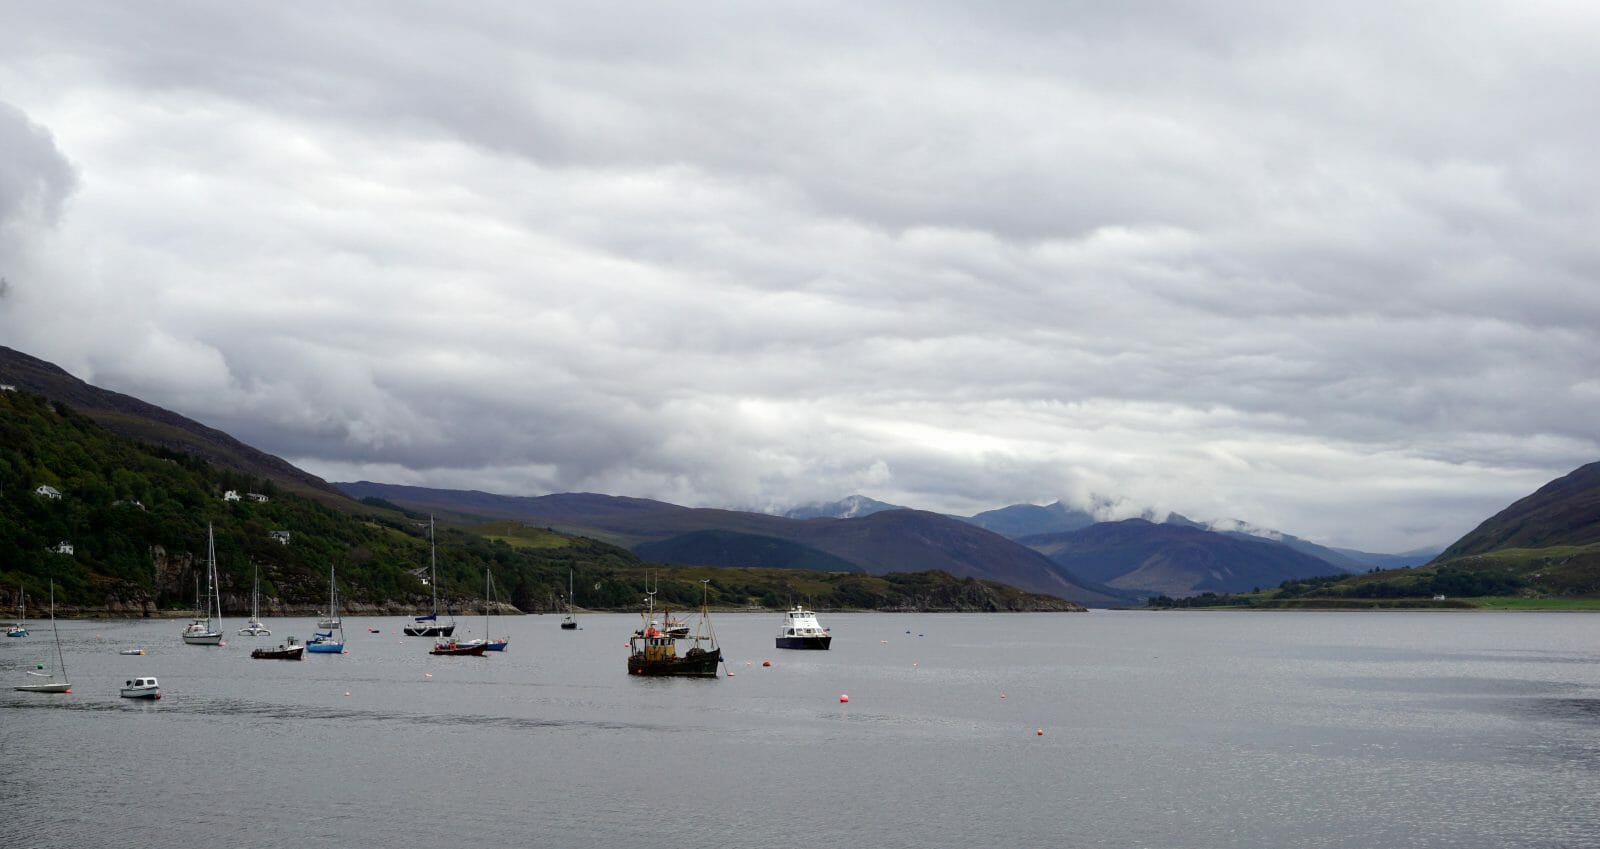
[(141, 688), (801, 630)]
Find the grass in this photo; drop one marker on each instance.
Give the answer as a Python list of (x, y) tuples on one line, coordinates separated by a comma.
[(1520, 603), (518, 535)]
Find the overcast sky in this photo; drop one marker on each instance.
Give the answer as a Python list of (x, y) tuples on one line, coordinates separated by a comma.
[(1327, 268)]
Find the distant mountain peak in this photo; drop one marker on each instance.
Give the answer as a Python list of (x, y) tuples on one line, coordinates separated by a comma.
[(849, 507)]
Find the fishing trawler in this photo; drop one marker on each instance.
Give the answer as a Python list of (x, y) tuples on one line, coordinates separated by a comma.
[(652, 650)]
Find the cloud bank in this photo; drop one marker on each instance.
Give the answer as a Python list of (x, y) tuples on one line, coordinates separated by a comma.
[(1327, 270)]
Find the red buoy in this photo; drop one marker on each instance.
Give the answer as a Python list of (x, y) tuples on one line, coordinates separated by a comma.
[(843, 698), (1039, 733), (766, 663)]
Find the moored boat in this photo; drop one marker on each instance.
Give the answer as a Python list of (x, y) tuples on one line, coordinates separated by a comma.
[(141, 688), (291, 650), (200, 632), (254, 628), (652, 650), (51, 686), (801, 630), (325, 642), (489, 643), (20, 629), (455, 648), (567, 622), (428, 625), (674, 627)]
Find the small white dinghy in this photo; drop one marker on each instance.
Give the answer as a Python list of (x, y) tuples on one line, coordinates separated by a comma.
[(141, 688), (139, 652)]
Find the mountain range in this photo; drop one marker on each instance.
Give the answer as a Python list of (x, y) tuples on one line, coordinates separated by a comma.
[(876, 543), (1021, 545)]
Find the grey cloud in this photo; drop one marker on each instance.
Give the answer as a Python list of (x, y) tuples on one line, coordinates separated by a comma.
[(1320, 269)]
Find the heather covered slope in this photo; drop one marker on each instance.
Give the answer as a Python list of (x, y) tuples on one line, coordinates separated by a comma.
[(1563, 512)]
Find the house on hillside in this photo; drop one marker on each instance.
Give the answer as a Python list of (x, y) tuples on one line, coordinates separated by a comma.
[(256, 497), (48, 492), (6, 387), (281, 537), (63, 547), (231, 495)]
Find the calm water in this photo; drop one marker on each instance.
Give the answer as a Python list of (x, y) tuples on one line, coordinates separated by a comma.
[(1160, 730)]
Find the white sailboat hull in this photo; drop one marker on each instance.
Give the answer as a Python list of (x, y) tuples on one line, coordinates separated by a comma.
[(61, 687), (209, 639)]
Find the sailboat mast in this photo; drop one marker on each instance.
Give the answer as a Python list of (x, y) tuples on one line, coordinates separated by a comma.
[(211, 573), (61, 662), (433, 569)]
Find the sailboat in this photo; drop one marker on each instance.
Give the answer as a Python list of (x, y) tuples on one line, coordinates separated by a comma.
[(324, 642), (199, 632), (492, 644), (454, 646), (568, 623), (20, 629), (428, 626), (255, 628), (53, 686)]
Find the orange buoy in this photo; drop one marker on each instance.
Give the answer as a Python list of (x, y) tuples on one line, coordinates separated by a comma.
[(844, 697), (766, 663)]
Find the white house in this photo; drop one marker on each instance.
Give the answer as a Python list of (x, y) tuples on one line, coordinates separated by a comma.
[(282, 537), (63, 547), (231, 495), (256, 497), (48, 492)]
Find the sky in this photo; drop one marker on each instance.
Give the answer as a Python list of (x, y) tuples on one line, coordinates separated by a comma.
[(1325, 268)]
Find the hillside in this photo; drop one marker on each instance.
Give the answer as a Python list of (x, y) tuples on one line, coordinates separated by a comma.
[(727, 548), (135, 518), (1563, 512), (1174, 560), (1542, 550), (879, 543), (152, 425)]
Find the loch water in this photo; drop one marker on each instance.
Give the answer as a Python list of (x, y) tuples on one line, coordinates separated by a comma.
[(1106, 729)]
